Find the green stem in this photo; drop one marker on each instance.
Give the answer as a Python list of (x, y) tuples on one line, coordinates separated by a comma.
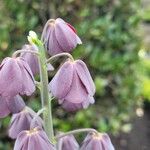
[(76, 131), (60, 55), (45, 95), (24, 51)]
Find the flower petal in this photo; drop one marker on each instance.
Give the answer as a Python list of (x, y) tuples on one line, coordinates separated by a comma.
[(77, 93), (28, 86), (15, 104), (68, 143), (66, 37), (70, 107), (11, 78), (31, 59), (53, 46), (61, 83), (19, 122), (4, 110), (85, 76), (22, 140)]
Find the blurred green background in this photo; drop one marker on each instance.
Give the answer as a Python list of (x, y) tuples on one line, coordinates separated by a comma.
[(113, 47)]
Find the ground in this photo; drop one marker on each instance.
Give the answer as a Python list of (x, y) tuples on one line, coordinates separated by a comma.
[(139, 138)]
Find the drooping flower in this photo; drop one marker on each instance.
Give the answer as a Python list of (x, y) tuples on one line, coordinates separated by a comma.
[(34, 139), (68, 143), (73, 86), (59, 36), (97, 141), (15, 78), (12, 105), (22, 121), (31, 59)]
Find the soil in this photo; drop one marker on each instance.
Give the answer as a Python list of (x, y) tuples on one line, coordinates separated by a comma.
[(138, 138)]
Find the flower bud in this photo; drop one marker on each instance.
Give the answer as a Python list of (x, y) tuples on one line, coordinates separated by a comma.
[(97, 141), (73, 86), (34, 139), (12, 105), (59, 36), (16, 78), (22, 121), (32, 37), (68, 143)]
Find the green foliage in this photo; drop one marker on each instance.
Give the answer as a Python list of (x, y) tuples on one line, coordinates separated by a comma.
[(144, 73), (110, 49)]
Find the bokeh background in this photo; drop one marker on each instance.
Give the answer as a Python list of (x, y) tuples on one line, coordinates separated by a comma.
[(116, 45)]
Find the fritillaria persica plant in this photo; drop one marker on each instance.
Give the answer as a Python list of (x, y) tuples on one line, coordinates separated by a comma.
[(72, 86)]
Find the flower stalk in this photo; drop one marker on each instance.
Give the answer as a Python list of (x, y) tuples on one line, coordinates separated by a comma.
[(45, 95), (36, 116), (60, 55), (90, 130), (16, 53)]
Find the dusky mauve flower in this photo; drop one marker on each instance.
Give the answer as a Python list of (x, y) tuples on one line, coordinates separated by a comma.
[(30, 58), (68, 143), (15, 78), (73, 85), (11, 105), (34, 139), (99, 141), (22, 121), (59, 36)]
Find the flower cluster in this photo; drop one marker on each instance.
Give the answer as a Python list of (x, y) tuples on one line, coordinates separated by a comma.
[(72, 86)]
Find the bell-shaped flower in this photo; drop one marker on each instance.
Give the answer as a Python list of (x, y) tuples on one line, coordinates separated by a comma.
[(34, 139), (22, 121), (73, 86), (12, 105), (15, 78), (97, 141), (59, 36), (68, 143), (30, 58)]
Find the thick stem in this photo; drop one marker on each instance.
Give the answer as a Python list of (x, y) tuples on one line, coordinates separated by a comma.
[(14, 55), (76, 131), (45, 95), (60, 55)]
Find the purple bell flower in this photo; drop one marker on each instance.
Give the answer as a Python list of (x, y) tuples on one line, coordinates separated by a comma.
[(97, 141), (68, 143), (22, 121), (31, 59), (12, 105), (16, 78), (73, 86), (4, 110), (59, 36), (34, 139)]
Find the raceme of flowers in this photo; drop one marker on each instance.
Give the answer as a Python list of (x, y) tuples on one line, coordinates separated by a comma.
[(72, 86)]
